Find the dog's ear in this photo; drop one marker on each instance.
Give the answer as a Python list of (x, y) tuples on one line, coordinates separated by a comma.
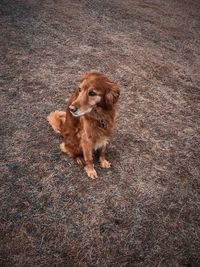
[(111, 95)]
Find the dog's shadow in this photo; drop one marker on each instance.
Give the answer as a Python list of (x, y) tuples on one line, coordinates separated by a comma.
[(115, 149), (125, 146)]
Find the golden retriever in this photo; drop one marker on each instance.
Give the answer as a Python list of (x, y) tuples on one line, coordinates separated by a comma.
[(88, 121)]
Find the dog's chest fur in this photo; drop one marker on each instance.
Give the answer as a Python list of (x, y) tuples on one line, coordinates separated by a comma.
[(96, 131), (100, 143)]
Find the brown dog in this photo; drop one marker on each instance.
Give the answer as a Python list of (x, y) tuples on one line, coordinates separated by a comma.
[(88, 121)]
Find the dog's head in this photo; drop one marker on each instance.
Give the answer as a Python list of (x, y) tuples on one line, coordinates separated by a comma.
[(95, 89)]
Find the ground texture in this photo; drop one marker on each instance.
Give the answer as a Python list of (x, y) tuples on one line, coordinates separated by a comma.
[(144, 211)]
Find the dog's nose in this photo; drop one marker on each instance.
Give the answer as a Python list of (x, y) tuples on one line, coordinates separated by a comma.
[(73, 109)]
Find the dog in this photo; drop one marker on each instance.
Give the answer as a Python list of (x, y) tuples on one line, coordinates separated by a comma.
[(88, 121)]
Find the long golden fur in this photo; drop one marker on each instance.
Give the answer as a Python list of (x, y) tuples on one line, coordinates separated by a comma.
[(88, 121)]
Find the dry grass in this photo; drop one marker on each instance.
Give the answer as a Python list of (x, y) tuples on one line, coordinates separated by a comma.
[(145, 210)]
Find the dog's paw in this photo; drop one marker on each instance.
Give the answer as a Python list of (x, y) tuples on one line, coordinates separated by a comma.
[(63, 148), (105, 164), (91, 172), (80, 161)]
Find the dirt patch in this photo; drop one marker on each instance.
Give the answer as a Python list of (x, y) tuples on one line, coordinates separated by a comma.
[(145, 210)]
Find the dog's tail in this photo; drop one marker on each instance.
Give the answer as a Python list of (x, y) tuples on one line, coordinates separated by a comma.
[(57, 119)]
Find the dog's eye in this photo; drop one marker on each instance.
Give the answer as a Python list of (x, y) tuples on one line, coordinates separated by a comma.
[(91, 93)]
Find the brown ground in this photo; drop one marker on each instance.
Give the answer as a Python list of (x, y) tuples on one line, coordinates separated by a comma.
[(143, 211)]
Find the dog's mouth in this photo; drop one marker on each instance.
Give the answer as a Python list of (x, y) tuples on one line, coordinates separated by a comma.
[(81, 113)]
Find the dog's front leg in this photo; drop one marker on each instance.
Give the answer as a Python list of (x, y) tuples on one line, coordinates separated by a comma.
[(87, 153), (103, 162)]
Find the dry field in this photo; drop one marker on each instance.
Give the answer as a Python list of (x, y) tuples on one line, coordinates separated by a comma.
[(144, 211)]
